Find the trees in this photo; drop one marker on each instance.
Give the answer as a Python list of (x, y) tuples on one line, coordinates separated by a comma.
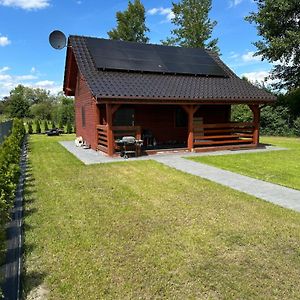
[(131, 24), (278, 23), (42, 110), (18, 104), (193, 26), (40, 105), (63, 110)]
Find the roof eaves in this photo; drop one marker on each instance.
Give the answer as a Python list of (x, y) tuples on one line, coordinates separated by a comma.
[(237, 100)]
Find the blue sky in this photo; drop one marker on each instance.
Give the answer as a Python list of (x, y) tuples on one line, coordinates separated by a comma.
[(27, 58)]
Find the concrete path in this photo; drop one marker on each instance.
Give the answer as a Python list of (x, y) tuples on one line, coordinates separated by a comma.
[(89, 156), (274, 193)]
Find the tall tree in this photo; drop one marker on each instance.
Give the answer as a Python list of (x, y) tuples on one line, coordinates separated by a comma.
[(193, 26), (18, 104), (278, 23), (131, 24)]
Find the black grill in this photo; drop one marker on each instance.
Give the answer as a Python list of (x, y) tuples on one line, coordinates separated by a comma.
[(129, 145)]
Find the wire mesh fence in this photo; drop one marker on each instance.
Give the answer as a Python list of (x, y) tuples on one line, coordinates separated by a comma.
[(5, 129)]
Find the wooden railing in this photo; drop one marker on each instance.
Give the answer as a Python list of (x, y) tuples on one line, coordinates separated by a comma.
[(102, 138), (223, 134)]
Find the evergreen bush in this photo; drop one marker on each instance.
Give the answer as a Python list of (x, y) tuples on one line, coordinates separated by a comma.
[(46, 128), (60, 125), (30, 131), (297, 127), (9, 175), (37, 126), (69, 127)]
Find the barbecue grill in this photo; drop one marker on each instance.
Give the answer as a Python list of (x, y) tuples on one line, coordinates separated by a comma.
[(129, 145)]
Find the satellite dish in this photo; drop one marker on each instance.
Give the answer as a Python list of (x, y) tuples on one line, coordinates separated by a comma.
[(57, 39)]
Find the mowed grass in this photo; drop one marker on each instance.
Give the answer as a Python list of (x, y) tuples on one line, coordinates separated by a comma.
[(280, 167), (141, 230)]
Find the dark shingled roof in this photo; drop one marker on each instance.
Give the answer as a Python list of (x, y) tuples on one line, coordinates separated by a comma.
[(116, 85)]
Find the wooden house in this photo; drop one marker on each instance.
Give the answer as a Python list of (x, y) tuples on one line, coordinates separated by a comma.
[(171, 97)]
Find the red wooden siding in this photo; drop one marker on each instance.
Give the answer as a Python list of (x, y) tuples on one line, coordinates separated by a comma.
[(84, 100)]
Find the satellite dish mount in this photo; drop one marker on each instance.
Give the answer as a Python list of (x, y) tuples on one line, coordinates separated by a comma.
[(57, 40)]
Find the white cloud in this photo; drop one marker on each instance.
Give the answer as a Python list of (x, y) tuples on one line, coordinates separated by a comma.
[(4, 41), (50, 85), (250, 57), (9, 82), (5, 77), (25, 77), (259, 76), (233, 55), (167, 12), (44, 83), (245, 59), (4, 69), (26, 4), (33, 70), (233, 3)]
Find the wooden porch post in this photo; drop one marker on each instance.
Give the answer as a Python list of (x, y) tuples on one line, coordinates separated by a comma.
[(256, 120), (110, 141), (97, 121), (190, 110), (190, 141), (110, 110)]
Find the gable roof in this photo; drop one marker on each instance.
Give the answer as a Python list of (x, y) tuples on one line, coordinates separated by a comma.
[(108, 80)]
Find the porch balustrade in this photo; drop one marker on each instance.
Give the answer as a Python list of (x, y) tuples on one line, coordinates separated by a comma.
[(204, 135), (231, 133)]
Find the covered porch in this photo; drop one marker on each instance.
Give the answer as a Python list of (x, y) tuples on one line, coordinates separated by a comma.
[(175, 127)]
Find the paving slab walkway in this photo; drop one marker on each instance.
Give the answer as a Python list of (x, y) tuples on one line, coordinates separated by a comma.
[(274, 193), (89, 156)]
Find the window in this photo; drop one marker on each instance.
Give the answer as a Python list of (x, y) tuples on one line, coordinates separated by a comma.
[(124, 117), (83, 116), (181, 118)]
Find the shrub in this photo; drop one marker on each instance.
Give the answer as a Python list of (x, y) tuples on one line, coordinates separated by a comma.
[(9, 175), (38, 126), (46, 128), (69, 127), (241, 113), (30, 131), (276, 121), (297, 126), (53, 125)]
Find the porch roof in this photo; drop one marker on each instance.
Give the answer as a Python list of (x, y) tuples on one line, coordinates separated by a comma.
[(114, 85)]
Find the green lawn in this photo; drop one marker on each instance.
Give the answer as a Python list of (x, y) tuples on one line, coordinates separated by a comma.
[(140, 230), (280, 167)]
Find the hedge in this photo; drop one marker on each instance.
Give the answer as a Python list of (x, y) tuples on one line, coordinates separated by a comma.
[(10, 151)]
